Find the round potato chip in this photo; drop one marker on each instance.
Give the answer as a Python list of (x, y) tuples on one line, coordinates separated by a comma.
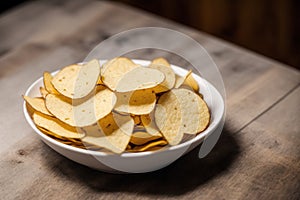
[(141, 137), (47, 78), (115, 134), (150, 125), (140, 78), (38, 104), (138, 102), (160, 61), (56, 126), (168, 117), (77, 81), (83, 112), (114, 70), (169, 81), (195, 113), (179, 80)]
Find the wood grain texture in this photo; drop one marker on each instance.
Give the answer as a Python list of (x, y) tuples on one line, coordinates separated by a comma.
[(256, 157)]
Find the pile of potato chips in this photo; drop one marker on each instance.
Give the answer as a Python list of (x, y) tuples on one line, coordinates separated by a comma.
[(120, 106)]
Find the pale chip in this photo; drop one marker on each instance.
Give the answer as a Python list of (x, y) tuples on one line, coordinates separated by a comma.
[(47, 78), (83, 112), (116, 133), (138, 102), (77, 81), (168, 117), (114, 70), (169, 81), (140, 78), (38, 104), (56, 126), (195, 114)]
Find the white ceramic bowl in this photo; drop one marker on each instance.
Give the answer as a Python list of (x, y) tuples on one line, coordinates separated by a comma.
[(135, 162)]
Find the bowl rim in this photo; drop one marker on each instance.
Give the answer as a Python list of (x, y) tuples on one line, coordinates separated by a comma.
[(185, 144)]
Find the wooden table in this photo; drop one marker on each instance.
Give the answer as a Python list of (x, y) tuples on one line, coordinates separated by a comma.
[(257, 156)]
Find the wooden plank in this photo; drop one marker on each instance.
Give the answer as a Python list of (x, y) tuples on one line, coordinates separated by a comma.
[(267, 164)]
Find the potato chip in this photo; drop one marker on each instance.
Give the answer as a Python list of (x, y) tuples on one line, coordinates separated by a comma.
[(161, 61), (54, 135), (56, 126), (149, 146), (77, 81), (169, 81), (43, 92), (168, 117), (149, 123), (100, 82), (139, 102), (47, 83), (140, 78), (38, 104), (141, 137), (114, 70), (83, 112), (190, 81), (30, 110), (179, 80), (195, 114), (116, 133), (136, 119), (119, 107)]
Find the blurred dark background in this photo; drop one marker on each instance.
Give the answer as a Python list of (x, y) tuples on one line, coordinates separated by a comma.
[(269, 27)]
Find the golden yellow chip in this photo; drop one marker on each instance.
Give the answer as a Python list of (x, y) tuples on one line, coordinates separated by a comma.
[(168, 117), (149, 146), (30, 110), (179, 80), (43, 92), (139, 102), (140, 78), (149, 123), (47, 83), (114, 70), (194, 112), (100, 82), (190, 81), (115, 133), (38, 104), (83, 112), (55, 126), (160, 61), (77, 81), (141, 137), (169, 81), (136, 119)]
